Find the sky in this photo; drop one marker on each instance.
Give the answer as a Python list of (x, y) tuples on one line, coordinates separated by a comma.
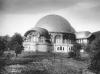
[(22, 15)]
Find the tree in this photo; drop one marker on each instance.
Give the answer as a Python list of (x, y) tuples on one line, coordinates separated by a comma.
[(16, 43), (94, 65), (93, 48), (76, 49), (18, 48), (6, 39), (2, 46)]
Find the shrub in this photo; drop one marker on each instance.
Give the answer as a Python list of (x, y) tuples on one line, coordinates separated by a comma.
[(94, 65)]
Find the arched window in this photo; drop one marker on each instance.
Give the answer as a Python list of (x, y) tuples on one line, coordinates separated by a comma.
[(28, 39), (65, 36), (65, 41), (34, 36), (42, 39), (58, 39)]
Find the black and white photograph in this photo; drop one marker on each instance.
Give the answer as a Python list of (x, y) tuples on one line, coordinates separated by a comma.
[(49, 36)]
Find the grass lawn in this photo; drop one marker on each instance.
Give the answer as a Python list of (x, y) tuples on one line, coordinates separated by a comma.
[(44, 63)]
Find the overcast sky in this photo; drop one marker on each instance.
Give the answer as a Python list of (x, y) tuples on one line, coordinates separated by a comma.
[(21, 15)]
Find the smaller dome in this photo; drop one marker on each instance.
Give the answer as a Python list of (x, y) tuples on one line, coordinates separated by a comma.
[(83, 34), (41, 31)]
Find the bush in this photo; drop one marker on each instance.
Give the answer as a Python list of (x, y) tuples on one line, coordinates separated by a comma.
[(75, 52), (71, 55), (94, 65), (94, 51)]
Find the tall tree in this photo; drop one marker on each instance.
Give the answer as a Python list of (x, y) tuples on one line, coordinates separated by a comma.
[(16, 43)]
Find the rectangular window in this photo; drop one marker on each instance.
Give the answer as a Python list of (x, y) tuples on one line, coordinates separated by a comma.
[(57, 48), (60, 48), (63, 48)]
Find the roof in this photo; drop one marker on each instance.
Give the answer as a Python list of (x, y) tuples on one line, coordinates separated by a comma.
[(41, 31), (83, 34), (55, 23)]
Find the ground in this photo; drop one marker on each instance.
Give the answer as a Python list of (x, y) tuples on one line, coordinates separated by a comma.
[(41, 63)]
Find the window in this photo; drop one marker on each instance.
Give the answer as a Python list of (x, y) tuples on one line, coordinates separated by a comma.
[(69, 48), (60, 48), (51, 38), (65, 36), (28, 37), (85, 41), (42, 39), (33, 36), (63, 48), (57, 48), (58, 39)]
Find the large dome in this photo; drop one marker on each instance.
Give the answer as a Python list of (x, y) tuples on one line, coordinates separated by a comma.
[(55, 23)]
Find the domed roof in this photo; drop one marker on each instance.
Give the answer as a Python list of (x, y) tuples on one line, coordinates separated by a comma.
[(41, 31), (55, 23), (83, 34)]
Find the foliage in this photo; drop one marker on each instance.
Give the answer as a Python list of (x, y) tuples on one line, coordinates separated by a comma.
[(94, 50), (18, 48), (71, 54), (94, 65), (6, 39), (2, 46), (75, 52), (16, 43), (94, 46), (95, 57)]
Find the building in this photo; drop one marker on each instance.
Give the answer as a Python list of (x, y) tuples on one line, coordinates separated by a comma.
[(53, 33)]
